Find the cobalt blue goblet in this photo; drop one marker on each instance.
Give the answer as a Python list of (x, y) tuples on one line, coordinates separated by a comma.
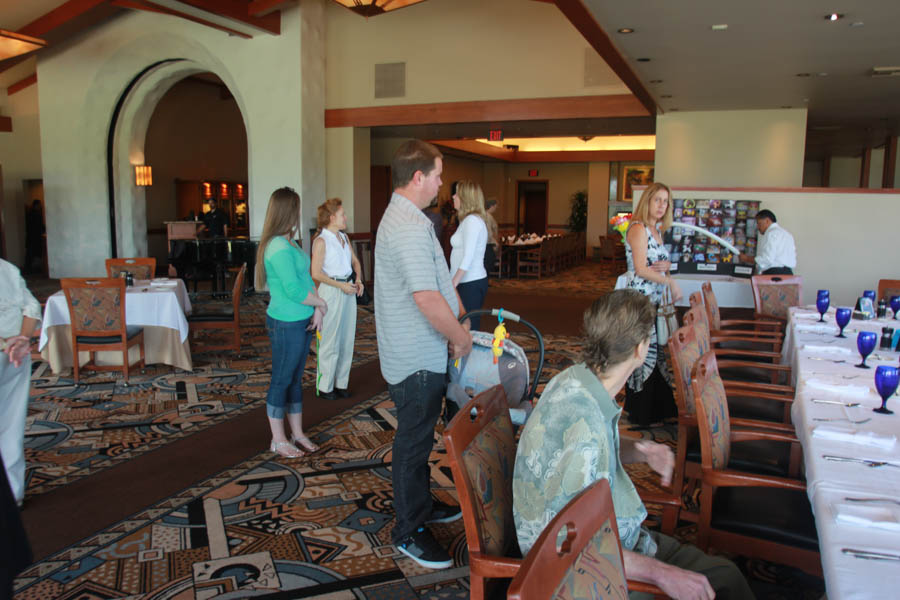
[(871, 295), (842, 316), (886, 380), (895, 305), (865, 343), (823, 300)]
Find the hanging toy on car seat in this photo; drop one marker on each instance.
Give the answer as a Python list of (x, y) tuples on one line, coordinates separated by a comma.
[(500, 334)]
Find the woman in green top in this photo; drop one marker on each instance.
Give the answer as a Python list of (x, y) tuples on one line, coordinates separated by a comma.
[(295, 312)]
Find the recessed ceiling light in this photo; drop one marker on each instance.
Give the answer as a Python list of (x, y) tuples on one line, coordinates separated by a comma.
[(656, 81), (834, 17), (626, 30), (822, 74), (804, 74), (857, 24), (643, 60), (719, 27)]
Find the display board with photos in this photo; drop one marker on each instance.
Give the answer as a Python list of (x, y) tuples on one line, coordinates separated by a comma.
[(732, 220)]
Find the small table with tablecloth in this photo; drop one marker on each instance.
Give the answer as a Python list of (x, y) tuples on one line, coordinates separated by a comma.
[(159, 306), (826, 378)]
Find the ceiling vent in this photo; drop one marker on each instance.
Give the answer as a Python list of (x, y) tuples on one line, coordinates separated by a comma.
[(885, 72), (390, 80)]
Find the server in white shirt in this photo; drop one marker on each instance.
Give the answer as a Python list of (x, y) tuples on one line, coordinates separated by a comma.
[(776, 253), (20, 315), (467, 247), (333, 266)]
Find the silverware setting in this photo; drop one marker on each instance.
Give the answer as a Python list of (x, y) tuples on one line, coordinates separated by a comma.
[(860, 422), (870, 554), (864, 461), (889, 500), (837, 362), (838, 402)]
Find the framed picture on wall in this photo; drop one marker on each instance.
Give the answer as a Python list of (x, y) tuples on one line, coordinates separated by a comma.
[(632, 175)]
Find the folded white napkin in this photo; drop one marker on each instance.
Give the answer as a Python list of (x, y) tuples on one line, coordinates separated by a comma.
[(807, 316), (834, 349), (869, 514), (163, 283), (841, 389), (854, 436), (815, 328)]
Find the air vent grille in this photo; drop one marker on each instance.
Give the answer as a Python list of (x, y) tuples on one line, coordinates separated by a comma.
[(390, 80)]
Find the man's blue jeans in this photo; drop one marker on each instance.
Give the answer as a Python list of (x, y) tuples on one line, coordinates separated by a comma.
[(418, 400), (290, 346)]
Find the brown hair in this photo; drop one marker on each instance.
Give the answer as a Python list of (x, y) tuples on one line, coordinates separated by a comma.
[(412, 156), (282, 217), (614, 325), (471, 199), (328, 209), (642, 212)]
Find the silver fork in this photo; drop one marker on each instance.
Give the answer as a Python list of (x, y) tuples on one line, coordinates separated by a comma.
[(838, 402), (842, 419), (891, 500)]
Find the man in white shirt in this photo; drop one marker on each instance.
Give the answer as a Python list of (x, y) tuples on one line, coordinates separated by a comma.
[(776, 253)]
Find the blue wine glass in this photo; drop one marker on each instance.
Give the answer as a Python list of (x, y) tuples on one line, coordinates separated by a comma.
[(886, 380), (895, 305), (865, 343), (823, 299), (871, 295), (842, 316)]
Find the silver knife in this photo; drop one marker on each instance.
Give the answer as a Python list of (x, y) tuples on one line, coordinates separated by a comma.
[(865, 461), (870, 554)]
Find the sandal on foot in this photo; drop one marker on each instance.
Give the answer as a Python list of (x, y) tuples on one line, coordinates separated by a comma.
[(286, 449), (305, 443)]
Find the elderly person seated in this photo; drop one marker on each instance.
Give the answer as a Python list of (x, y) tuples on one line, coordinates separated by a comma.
[(572, 439)]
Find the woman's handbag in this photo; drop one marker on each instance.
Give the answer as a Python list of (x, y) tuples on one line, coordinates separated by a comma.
[(365, 299), (666, 319)]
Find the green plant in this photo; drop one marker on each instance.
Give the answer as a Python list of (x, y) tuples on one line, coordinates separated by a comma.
[(578, 216)]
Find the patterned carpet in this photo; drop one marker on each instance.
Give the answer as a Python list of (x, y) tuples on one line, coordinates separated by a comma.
[(589, 279)]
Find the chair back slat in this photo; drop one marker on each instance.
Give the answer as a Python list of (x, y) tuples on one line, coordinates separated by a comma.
[(712, 306), (238, 289), (712, 413), (773, 295), (96, 306), (139, 267), (696, 317), (586, 564), (684, 350)]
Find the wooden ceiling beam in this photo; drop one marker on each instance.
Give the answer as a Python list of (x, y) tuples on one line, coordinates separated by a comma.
[(21, 84), (148, 6), (238, 11), (518, 156), (60, 15), (259, 8)]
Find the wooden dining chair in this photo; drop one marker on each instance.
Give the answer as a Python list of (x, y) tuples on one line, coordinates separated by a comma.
[(529, 261), (588, 559), (97, 316), (221, 318), (773, 295), (761, 327), (755, 515), (140, 268)]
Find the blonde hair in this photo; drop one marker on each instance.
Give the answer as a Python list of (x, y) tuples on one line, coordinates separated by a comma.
[(282, 217), (328, 209), (471, 199), (642, 212)]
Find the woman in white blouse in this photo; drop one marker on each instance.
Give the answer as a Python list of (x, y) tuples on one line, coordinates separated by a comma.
[(468, 246), (20, 315), (333, 266)]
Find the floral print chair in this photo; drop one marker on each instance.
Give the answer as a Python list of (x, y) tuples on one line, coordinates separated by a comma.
[(140, 268), (773, 295)]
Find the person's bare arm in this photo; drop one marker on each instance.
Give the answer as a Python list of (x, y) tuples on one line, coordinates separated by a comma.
[(319, 276), (675, 582), (19, 346), (658, 456), (437, 311), (637, 239)]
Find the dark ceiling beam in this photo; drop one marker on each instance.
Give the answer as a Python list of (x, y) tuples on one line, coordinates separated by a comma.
[(5, 124), (60, 15), (579, 15), (21, 84), (890, 162), (259, 8), (148, 6), (238, 11)]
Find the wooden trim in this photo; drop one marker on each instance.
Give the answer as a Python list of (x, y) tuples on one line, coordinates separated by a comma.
[(865, 167), (580, 16), (59, 16), (890, 162), (826, 171), (5, 124), (21, 84), (525, 109), (238, 11), (259, 8), (148, 6), (517, 156), (791, 190)]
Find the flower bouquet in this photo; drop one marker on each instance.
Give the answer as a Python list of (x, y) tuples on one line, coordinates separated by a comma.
[(620, 223)]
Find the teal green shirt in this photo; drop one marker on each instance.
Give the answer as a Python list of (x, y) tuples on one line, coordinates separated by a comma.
[(287, 273)]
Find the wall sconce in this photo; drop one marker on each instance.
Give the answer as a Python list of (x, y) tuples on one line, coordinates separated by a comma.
[(223, 190), (207, 190), (143, 175)]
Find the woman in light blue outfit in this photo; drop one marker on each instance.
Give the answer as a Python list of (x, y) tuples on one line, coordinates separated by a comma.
[(294, 314)]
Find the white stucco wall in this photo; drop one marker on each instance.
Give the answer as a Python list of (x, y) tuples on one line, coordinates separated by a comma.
[(81, 81)]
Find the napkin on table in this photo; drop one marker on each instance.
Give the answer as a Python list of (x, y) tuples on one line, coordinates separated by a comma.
[(854, 436), (826, 348)]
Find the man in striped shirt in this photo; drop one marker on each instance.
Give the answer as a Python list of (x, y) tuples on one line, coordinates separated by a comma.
[(416, 309)]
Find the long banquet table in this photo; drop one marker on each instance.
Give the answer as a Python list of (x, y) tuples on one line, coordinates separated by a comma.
[(159, 306), (824, 371)]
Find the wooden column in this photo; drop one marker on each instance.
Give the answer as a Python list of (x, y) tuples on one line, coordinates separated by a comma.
[(864, 167), (826, 171), (890, 162)]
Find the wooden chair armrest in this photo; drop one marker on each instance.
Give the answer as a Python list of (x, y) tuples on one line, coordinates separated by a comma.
[(726, 336), (757, 425), (749, 363), (760, 321), (750, 435), (747, 353), (494, 566), (653, 497), (773, 388), (646, 588), (744, 392), (731, 478)]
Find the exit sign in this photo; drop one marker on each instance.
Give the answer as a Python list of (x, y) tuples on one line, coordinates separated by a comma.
[(532, 172), (496, 135)]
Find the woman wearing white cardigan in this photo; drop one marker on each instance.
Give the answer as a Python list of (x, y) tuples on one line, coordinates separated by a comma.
[(333, 266), (468, 245)]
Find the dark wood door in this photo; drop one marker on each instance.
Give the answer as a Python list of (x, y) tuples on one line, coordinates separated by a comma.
[(380, 194), (532, 207)]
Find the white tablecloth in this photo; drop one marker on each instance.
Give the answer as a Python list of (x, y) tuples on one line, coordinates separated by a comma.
[(161, 304), (823, 367), (731, 292)]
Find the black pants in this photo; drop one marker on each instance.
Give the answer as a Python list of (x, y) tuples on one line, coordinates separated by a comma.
[(778, 271), (418, 400), (654, 403), (472, 295)]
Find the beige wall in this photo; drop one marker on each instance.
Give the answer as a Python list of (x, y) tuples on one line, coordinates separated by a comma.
[(840, 246), (876, 167), (347, 173), (564, 179), (731, 148), (598, 203), (844, 171), (459, 50)]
